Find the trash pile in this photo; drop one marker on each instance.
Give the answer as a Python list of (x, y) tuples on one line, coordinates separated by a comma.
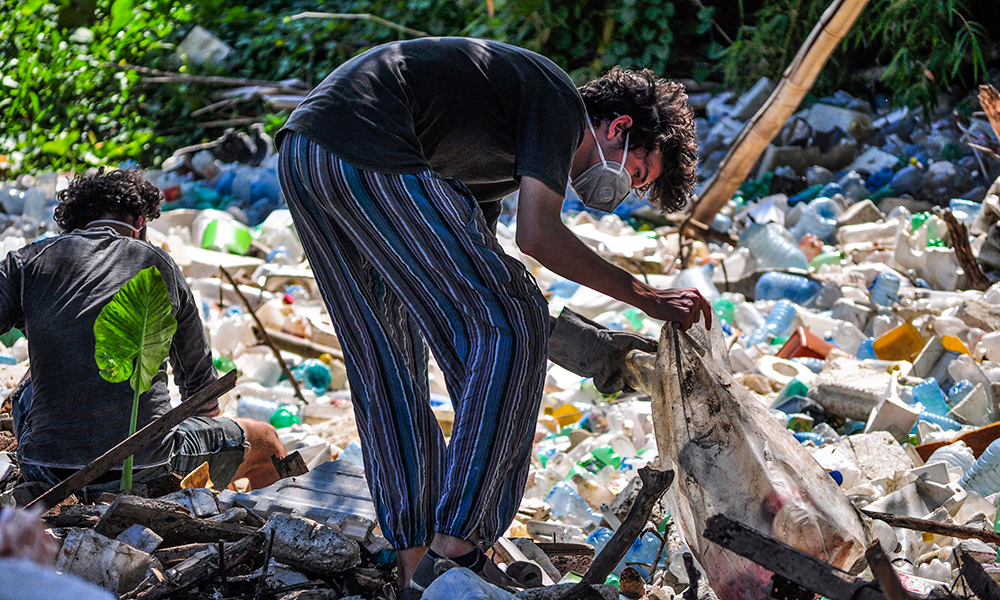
[(855, 280)]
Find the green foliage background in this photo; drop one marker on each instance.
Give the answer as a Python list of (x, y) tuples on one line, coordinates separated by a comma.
[(63, 106)]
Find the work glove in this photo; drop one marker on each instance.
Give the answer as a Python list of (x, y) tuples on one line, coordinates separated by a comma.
[(581, 346)]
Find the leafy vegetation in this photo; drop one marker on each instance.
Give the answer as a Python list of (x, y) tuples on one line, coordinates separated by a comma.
[(66, 102), (922, 47), (132, 339)]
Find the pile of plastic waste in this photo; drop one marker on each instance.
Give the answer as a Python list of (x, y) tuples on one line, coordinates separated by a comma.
[(845, 306)]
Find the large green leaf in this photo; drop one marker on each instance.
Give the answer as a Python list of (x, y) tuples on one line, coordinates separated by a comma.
[(135, 325), (121, 14)]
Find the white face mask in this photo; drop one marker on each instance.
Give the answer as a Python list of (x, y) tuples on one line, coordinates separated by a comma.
[(603, 186)]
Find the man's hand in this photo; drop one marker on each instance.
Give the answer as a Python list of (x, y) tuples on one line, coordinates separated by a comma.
[(682, 306), (542, 235)]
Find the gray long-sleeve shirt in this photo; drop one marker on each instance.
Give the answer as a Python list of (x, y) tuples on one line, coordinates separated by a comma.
[(53, 290)]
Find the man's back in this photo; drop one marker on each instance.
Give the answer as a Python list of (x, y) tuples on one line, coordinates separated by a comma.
[(482, 112), (54, 290)]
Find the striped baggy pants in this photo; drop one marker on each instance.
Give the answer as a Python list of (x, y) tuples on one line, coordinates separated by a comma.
[(406, 262)]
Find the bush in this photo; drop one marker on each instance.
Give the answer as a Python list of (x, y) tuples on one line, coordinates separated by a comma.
[(923, 46)]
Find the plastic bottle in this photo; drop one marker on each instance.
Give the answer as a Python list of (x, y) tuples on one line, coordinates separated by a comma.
[(261, 409), (34, 204), (907, 180), (779, 323), (956, 454), (599, 538), (929, 394), (699, 278), (353, 454), (865, 351), (943, 422), (642, 554), (964, 210), (747, 317), (959, 391), (315, 374), (776, 286), (984, 475), (885, 289), (570, 507), (721, 223), (854, 186), (819, 218), (771, 249), (725, 308)]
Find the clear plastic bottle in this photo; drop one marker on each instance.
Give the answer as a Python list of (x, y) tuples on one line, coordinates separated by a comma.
[(747, 317), (854, 186), (779, 323), (771, 248), (984, 475), (699, 278), (776, 286), (819, 218), (885, 289), (570, 507)]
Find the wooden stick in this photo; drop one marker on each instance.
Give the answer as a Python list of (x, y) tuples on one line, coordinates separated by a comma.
[(360, 17), (797, 80), (923, 525), (981, 584), (794, 565), (300, 345), (884, 573), (142, 438), (264, 334), (158, 76), (959, 235)]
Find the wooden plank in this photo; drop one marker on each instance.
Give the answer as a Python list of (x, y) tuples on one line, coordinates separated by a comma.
[(132, 444), (798, 567), (201, 567)]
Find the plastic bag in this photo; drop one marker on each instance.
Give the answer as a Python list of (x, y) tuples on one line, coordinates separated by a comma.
[(731, 457)]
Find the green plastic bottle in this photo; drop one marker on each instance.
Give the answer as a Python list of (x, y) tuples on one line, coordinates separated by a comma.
[(284, 417), (725, 308)]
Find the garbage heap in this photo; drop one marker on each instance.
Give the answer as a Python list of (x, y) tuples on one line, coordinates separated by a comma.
[(852, 274)]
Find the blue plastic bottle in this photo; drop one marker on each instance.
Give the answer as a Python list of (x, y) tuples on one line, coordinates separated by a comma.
[(866, 349), (885, 289), (777, 286), (929, 394), (959, 391), (984, 476), (779, 322), (565, 503)]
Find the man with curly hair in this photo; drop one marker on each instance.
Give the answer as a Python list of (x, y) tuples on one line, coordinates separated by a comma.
[(394, 168), (54, 289)]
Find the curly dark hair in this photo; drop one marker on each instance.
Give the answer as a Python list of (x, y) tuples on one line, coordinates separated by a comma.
[(661, 118), (117, 194)]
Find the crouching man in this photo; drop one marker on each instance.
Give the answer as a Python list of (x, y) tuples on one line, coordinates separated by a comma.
[(54, 289)]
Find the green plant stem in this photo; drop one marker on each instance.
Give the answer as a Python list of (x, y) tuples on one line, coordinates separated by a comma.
[(127, 467)]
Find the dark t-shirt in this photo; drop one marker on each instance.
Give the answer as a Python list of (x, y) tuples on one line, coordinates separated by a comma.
[(482, 112), (53, 290)]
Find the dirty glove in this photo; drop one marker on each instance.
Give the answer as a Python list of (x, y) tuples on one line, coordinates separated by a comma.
[(583, 347)]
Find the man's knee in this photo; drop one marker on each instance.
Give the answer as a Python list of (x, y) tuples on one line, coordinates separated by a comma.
[(262, 438)]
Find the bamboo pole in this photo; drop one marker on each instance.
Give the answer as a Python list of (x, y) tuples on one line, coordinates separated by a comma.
[(765, 125)]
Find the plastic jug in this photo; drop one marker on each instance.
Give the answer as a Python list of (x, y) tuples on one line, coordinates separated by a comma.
[(885, 290), (929, 394), (902, 343)]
